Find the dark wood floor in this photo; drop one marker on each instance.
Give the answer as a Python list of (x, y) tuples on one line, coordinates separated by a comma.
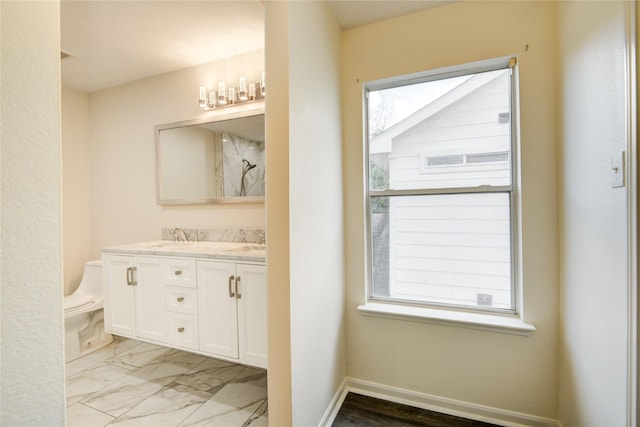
[(359, 410)]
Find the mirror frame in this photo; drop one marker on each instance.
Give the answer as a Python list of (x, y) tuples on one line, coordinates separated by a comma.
[(254, 108)]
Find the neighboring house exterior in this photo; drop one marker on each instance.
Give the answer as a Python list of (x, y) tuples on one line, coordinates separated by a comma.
[(437, 251)]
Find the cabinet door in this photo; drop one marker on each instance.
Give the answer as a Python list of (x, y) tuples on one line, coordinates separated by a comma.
[(252, 313), (217, 313), (119, 305), (150, 315)]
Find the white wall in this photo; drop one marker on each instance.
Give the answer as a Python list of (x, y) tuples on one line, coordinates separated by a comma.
[(318, 348), (479, 367), (32, 369), (123, 174), (593, 217), (307, 350), (76, 185)]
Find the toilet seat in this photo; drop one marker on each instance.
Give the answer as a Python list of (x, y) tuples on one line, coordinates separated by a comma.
[(77, 302)]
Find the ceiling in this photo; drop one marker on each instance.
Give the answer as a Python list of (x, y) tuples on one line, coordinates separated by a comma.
[(114, 42), (355, 13)]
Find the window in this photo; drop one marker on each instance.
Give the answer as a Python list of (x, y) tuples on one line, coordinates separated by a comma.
[(442, 183)]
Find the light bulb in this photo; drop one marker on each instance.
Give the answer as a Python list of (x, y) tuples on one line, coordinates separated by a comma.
[(222, 93), (232, 96), (202, 100), (242, 89)]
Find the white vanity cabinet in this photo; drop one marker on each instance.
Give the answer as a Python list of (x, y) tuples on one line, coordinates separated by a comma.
[(232, 310), (215, 307), (134, 297)]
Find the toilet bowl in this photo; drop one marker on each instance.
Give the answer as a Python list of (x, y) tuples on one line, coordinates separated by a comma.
[(83, 315)]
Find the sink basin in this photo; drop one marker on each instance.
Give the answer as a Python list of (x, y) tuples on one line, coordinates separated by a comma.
[(246, 248), (167, 244), (220, 247)]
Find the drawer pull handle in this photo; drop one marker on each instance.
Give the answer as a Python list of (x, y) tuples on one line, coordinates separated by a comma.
[(178, 272), (180, 299), (231, 294), (181, 329)]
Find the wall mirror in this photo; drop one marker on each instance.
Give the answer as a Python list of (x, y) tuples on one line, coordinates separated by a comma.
[(218, 159)]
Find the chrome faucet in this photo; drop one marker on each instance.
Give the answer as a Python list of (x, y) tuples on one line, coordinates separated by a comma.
[(179, 234)]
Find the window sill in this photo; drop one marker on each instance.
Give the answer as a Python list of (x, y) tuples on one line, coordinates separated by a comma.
[(482, 321)]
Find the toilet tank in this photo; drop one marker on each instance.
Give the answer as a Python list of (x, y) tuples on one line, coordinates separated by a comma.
[(91, 282)]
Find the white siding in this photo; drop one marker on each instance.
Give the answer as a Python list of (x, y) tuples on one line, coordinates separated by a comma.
[(449, 249), (406, 174), (468, 126)]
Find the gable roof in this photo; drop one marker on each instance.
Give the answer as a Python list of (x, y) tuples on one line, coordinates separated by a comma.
[(382, 142)]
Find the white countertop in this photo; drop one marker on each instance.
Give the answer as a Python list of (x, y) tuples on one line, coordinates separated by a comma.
[(211, 250)]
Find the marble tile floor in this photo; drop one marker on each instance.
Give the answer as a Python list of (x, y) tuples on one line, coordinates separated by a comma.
[(131, 383)]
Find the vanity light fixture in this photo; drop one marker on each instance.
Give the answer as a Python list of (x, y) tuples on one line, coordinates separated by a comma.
[(228, 96)]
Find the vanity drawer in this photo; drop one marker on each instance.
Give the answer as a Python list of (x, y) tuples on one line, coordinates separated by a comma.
[(180, 272), (181, 300), (182, 330)]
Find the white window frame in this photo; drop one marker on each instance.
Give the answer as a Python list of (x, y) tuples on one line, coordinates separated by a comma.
[(496, 320)]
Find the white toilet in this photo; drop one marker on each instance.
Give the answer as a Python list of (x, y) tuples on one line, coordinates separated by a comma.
[(83, 314)]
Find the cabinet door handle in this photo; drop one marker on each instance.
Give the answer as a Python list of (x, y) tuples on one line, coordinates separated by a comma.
[(238, 295), (181, 330), (231, 294), (178, 272), (180, 299), (130, 281), (133, 272)]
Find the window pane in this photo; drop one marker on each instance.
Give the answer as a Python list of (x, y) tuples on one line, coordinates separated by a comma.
[(445, 249), (380, 246), (447, 133)]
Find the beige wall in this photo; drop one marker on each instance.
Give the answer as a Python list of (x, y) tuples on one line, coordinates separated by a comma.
[(277, 209), (32, 368), (76, 186), (593, 216), (479, 367), (123, 180)]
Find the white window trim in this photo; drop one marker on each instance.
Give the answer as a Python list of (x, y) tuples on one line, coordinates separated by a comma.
[(510, 323)]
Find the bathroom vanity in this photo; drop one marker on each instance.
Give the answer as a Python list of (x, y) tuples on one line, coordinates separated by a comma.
[(205, 297)]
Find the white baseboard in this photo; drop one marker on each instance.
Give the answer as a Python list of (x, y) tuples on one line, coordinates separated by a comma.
[(334, 406), (434, 403)]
